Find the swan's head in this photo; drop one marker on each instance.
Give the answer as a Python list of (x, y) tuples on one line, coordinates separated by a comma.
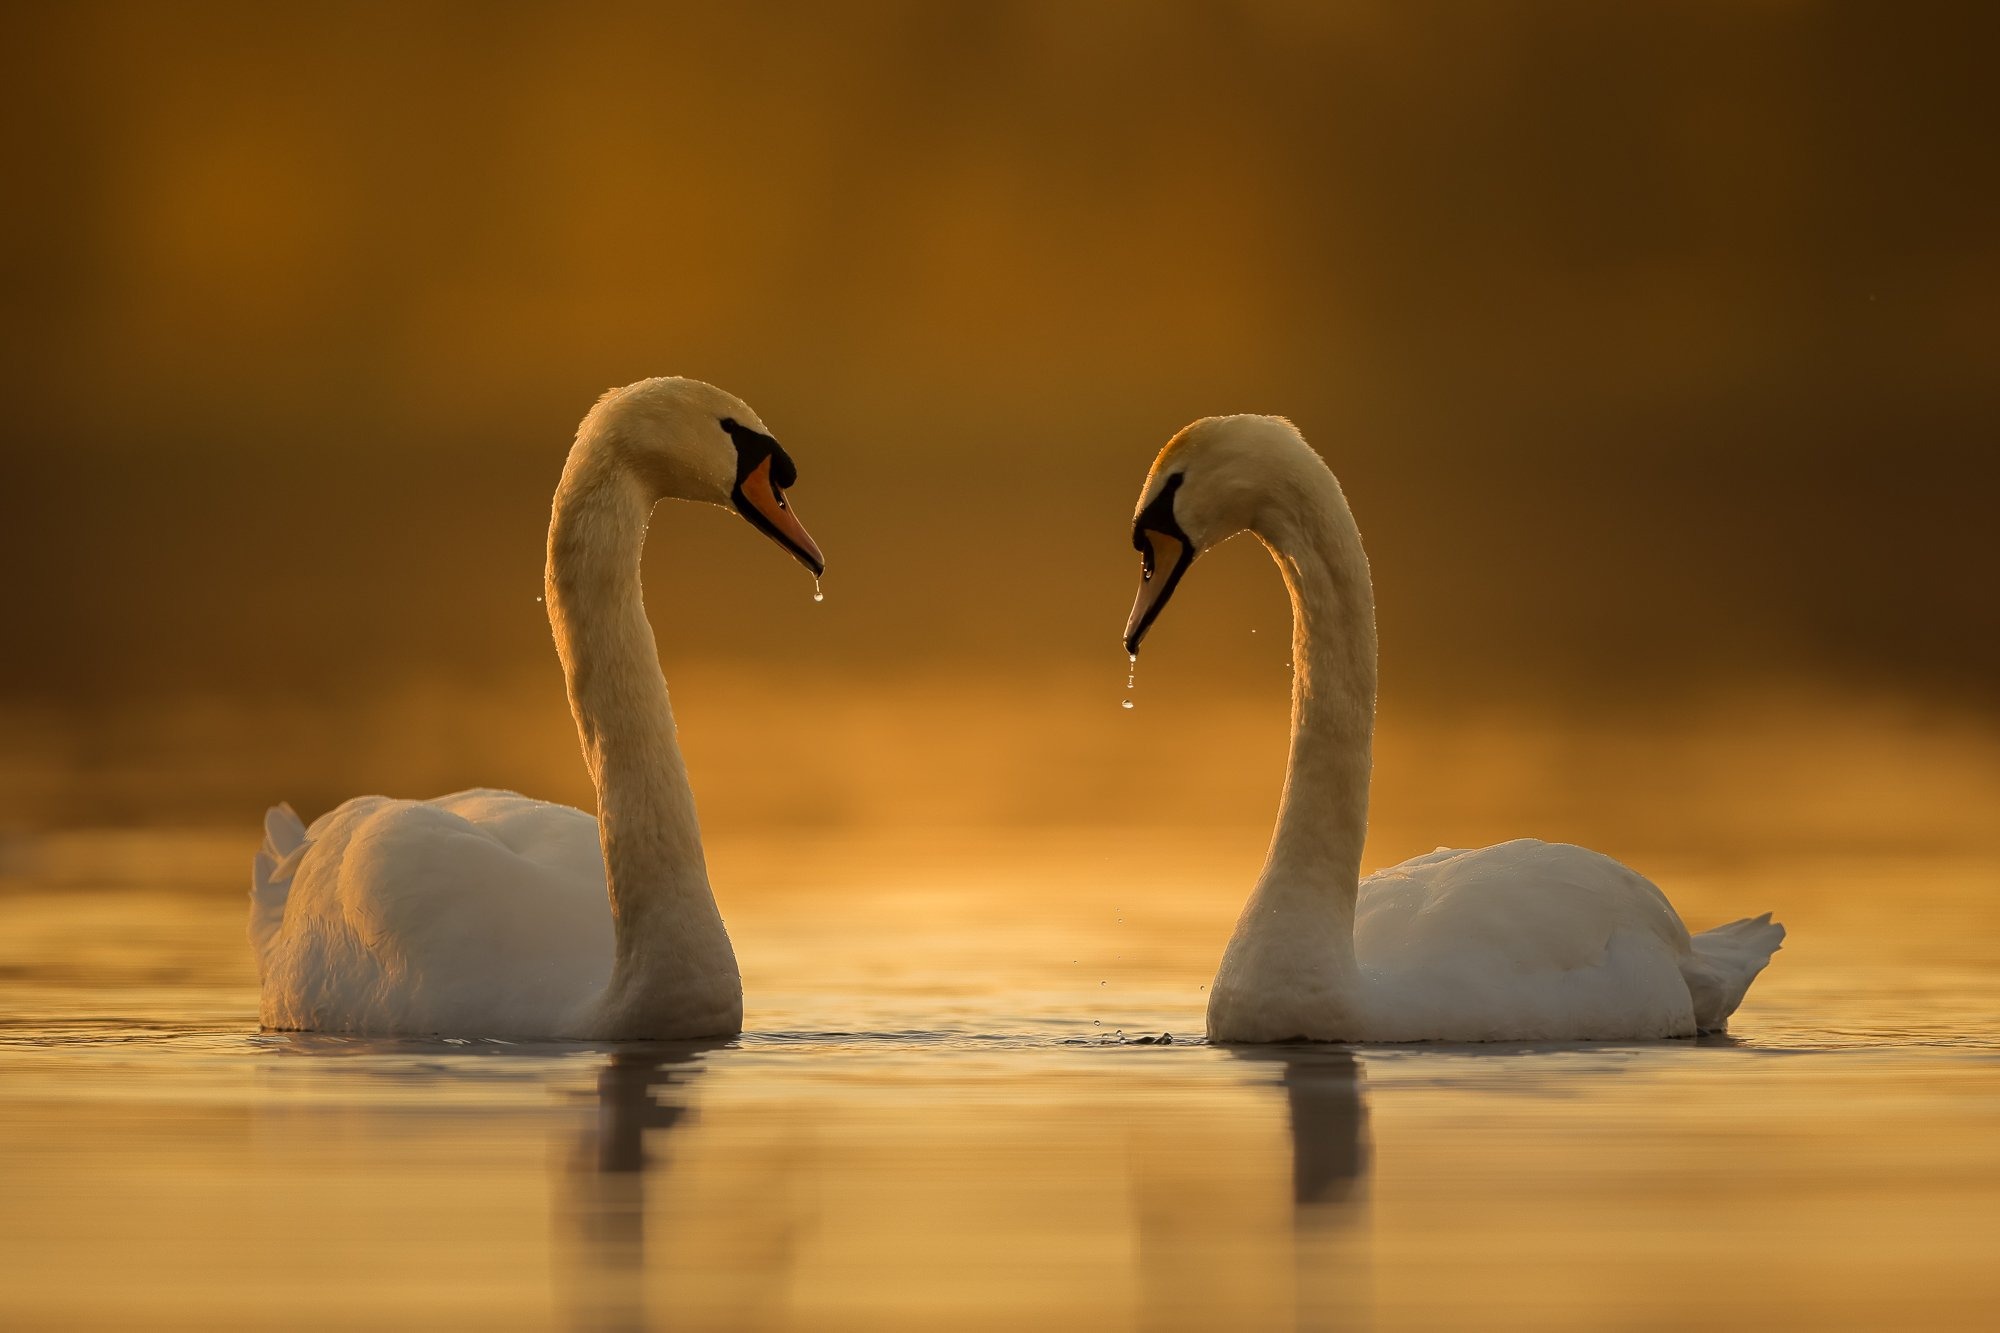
[(691, 441), (1218, 477)]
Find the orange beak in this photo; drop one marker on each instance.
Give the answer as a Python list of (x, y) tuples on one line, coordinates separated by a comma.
[(1164, 558), (766, 507)]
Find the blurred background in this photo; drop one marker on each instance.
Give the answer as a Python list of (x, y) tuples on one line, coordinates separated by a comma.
[(1653, 344)]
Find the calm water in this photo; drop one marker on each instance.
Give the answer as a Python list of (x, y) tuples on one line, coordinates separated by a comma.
[(941, 1119)]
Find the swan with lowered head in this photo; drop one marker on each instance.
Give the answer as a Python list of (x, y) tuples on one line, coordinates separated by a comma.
[(486, 913), (1526, 940)]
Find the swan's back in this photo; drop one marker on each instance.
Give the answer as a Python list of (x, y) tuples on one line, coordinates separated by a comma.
[(481, 913), (1526, 940)]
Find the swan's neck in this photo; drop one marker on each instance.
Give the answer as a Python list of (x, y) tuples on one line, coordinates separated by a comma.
[(1323, 815), (1289, 971), (672, 955)]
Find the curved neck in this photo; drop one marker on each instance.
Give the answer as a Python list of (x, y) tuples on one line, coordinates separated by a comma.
[(661, 905), (1323, 815), (1290, 971)]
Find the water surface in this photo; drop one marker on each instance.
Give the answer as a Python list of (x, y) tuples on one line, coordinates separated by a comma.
[(943, 1116)]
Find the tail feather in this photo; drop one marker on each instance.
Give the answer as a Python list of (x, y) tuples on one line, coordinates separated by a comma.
[(285, 844), (1725, 961)]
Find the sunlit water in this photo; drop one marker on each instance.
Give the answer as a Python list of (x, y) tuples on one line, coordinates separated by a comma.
[(953, 1110)]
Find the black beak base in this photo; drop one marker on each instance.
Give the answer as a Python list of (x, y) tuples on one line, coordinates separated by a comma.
[(1157, 520), (753, 448)]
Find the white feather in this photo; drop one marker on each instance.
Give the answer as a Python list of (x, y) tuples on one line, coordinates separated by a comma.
[(486, 913), (1527, 940)]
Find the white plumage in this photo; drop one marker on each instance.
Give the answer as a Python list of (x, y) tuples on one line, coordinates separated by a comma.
[(481, 913), (486, 913), (1532, 940), (1526, 940)]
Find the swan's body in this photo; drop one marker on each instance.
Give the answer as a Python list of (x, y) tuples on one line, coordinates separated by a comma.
[(486, 913), (1526, 940), (479, 913)]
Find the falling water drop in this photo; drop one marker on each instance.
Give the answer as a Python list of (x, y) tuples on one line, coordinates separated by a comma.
[(818, 596), (1131, 674)]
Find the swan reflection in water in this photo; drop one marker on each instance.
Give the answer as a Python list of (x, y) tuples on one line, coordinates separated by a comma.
[(1327, 1117), (644, 1094), (1329, 1127), (1206, 1240), (1234, 1217)]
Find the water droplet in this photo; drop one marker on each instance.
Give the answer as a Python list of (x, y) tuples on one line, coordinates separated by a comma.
[(1126, 704), (818, 596)]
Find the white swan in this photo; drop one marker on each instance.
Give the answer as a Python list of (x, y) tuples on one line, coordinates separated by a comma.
[(1524, 941), (485, 913)]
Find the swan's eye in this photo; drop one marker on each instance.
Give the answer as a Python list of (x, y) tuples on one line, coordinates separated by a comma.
[(754, 447), (1157, 519), (1167, 554), (783, 470), (764, 472)]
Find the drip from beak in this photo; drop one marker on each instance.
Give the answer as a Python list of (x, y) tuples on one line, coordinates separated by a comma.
[(1164, 558), (760, 500)]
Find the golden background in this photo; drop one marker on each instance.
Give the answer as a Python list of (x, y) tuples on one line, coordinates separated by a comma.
[(1653, 344)]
